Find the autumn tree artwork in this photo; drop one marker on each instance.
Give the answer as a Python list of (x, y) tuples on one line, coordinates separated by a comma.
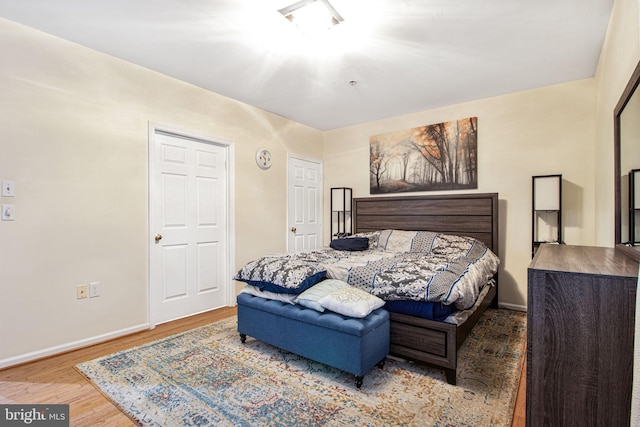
[(442, 156)]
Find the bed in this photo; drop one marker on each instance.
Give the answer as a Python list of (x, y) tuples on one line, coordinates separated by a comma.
[(476, 215), (426, 220)]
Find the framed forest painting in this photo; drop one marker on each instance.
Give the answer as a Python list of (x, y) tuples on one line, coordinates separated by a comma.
[(442, 156)]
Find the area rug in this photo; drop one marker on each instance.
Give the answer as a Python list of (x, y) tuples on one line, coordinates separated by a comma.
[(206, 377)]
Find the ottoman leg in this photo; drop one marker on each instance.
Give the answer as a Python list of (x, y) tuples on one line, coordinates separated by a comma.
[(359, 379), (243, 338)]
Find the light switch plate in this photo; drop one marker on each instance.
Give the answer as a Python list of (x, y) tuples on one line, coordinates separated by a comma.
[(8, 188), (94, 289), (8, 212)]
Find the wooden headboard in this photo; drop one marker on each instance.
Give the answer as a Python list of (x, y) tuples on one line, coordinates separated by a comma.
[(474, 214)]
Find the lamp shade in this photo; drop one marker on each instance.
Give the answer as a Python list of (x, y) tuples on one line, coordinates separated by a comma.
[(636, 188), (341, 199), (546, 193)]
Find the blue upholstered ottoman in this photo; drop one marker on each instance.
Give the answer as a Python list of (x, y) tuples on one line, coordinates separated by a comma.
[(349, 344)]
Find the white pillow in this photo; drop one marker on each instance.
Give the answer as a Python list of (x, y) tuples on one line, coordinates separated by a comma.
[(256, 292), (311, 296), (351, 302)]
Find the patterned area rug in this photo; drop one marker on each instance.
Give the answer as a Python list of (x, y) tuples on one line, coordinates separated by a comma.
[(206, 377)]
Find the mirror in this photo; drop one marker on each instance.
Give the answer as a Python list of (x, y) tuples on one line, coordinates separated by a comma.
[(627, 158)]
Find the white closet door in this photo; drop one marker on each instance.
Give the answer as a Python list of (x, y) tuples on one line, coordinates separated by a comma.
[(189, 247)]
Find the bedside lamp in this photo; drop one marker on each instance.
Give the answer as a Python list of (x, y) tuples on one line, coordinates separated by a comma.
[(546, 210), (341, 220)]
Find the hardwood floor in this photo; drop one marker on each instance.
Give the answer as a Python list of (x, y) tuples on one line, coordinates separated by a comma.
[(520, 410), (54, 379)]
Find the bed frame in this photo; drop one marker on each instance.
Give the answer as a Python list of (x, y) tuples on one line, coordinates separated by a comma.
[(476, 215)]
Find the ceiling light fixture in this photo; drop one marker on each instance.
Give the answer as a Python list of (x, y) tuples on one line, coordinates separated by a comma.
[(312, 16)]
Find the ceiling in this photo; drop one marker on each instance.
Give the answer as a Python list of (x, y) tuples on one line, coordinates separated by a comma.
[(405, 56)]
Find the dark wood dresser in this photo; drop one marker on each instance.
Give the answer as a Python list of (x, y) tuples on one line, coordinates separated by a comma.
[(580, 330)]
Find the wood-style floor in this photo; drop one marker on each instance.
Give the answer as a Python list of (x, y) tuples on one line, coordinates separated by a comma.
[(54, 379)]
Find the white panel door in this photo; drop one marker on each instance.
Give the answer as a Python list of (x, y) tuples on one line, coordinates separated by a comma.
[(305, 204), (188, 265)]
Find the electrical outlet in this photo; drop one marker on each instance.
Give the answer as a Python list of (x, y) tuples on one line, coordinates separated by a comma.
[(94, 289), (82, 291)]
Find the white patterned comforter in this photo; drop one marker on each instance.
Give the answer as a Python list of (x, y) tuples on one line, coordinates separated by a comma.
[(411, 265)]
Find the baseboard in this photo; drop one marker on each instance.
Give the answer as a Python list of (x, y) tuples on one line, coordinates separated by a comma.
[(513, 307), (39, 354)]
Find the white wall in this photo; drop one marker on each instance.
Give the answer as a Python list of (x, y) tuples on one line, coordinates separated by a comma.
[(537, 132), (74, 127)]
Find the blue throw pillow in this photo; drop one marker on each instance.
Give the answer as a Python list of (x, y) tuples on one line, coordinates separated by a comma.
[(350, 244), (300, 286), (280, 275)]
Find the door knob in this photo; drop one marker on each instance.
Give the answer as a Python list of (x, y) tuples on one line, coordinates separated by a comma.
[(158, 237), (293, 229)]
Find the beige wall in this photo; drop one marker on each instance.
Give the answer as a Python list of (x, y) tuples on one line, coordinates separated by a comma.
[(629, 160), (565, 129), (74, 139), (538, 132), (619, 56)]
